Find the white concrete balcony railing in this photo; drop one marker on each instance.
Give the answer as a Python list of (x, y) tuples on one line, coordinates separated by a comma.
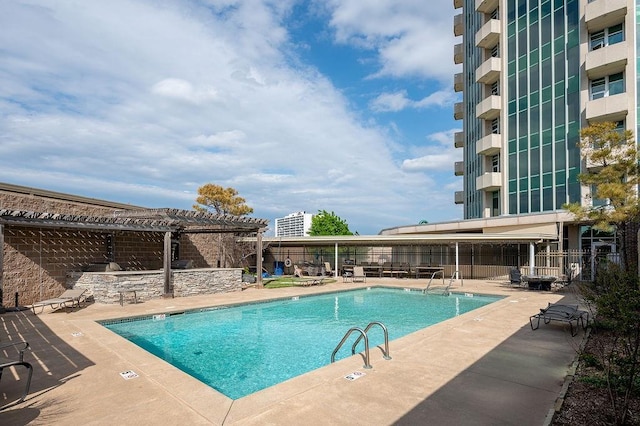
[(486, 6), (458, 82), (489, 71), (609, 108), (490, 144), (457, 4), (458, 25), (607, 60), (458, 53), (600, 14), (458, 168), (458, 139), (458, 110), (459, 197), (491, 181), (489, 35), (489, 108)]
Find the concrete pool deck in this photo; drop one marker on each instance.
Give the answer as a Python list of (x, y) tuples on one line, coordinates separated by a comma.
[(486, 367)]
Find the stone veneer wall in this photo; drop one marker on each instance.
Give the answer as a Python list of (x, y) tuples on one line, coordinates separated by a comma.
[(105, 287)]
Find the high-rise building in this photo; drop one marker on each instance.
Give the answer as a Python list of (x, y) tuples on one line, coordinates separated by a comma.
[(534, 72), (294, 225)]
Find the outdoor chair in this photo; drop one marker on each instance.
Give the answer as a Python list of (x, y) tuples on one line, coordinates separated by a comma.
[(298, 272), (7, 361), (70, 297), (306, 282), (327, 269), (515, 276), (561, 313), (358, 274)]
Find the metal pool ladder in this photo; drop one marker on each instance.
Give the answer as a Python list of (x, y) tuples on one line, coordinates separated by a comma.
[(363, 335), (445, 291)]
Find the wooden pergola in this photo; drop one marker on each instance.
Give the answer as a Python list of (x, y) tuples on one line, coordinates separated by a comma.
[(164, 220)]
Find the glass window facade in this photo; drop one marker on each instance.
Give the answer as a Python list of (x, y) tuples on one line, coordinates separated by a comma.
[(543, 119)]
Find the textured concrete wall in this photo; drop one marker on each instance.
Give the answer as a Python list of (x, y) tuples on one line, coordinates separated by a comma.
[(36, 261), (34, 203), (106, 287)]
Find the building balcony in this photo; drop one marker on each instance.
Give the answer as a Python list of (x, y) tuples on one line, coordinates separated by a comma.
[(459, 197), (458, 110), (458, 139), (491, 144), (458, 53), (609, 108), (458, 168), (457, 4), (600, 14), (489, 108), (491, 181), (458, 82), (486, 6), (607, 60), (489, 71), (458, 25), (489, 35)]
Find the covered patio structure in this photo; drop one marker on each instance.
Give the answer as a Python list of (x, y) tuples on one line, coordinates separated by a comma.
[(54, 244), (472, 255)]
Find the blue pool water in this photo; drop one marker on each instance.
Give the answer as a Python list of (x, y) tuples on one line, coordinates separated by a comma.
[(242, 349)]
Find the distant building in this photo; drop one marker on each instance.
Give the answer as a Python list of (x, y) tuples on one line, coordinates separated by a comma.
[(294, 225)]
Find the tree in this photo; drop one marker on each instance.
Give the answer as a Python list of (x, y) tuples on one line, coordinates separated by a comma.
[(325, 223), (613, 176), (221, 200), (216, 199)]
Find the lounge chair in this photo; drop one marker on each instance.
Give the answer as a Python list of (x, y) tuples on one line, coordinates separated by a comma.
[(358, 274), (306, 282), (327, 269), (298, 272), (69, 298), (561, 313), (6, 361)]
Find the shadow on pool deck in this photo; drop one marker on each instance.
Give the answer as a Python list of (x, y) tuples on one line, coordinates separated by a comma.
[(55, 364), (486, 368), (517, 383)]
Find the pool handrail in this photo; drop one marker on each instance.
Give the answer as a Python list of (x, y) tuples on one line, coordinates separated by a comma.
[(366, 345), (432, 277), (386, 339)]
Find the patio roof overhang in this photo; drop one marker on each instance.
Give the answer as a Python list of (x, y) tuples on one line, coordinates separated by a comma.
[(144, 220), (165, 220), (409, 239)]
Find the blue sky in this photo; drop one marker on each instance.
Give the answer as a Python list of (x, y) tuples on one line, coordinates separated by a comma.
[(338, 105)]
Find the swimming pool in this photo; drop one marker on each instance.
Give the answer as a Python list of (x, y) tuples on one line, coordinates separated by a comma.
[(241, 349)]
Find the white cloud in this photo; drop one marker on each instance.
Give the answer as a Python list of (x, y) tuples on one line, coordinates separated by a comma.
[(183, 90), (413, 38), (435, 158), (142, 102), (398, 101)]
